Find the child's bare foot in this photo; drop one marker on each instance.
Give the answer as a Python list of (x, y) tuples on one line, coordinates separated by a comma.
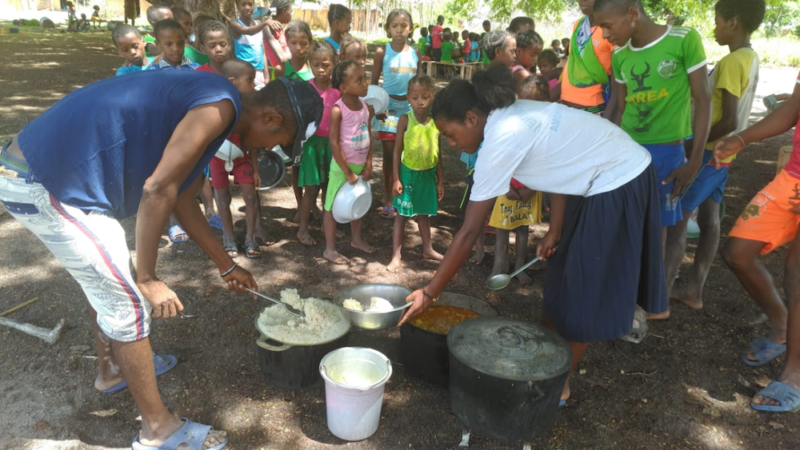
[(432, 254), (306, 239), (361, 245), (265, 239), (477, 257), (660, 316), (395, 265), (692, 301), (335, 257), (523, 279)]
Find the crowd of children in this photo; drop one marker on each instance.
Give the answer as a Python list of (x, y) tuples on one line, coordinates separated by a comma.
[(648, 79)]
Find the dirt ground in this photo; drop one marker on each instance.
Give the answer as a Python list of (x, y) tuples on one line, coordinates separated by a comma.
[(684, 387)]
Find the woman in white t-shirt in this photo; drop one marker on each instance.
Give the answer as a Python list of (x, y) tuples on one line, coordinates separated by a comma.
[(605, 219)]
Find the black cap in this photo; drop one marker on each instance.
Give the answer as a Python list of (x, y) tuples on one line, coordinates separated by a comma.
[(307, 107)]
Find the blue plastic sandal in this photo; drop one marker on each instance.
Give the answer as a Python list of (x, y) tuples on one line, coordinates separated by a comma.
[(215, 221), (788, 397), (163, 363), (175, 231), (191, 433), (764, 350)]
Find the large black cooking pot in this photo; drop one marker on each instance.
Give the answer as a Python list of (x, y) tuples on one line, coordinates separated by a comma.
[(294, 366), (423, 353), (506, 377)]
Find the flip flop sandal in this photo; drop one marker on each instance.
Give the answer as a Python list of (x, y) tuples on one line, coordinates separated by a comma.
[(163, 363), (215, 221), (788, 397), (639, 330), (231, 249), (191, 433), (252, 247), (387, 212), (175, 231), (764, 350)]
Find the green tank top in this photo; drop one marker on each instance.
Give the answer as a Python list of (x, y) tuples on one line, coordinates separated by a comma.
[(421, 45), (420, 144), (292, 74)]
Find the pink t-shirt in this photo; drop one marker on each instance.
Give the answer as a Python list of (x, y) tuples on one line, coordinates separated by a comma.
[(436, 36), (793, 166), (354, 133), (329, 98)]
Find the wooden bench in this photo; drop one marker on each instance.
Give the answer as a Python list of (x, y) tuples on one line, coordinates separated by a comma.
[(465, 69)]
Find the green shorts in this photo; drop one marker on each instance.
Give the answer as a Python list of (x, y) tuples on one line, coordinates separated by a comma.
[(419, 195), (336, 180), (316, 162)]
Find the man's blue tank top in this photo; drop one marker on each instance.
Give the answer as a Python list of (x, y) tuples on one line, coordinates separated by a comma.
[(95, 148)]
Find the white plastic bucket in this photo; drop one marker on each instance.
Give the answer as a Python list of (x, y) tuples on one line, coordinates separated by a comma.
[(354, 381)]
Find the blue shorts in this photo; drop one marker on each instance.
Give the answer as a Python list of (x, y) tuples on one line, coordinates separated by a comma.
[(667, 158), (709, 183)]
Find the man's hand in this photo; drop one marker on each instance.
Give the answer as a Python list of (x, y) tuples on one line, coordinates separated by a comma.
[(420, 303), (240, 280), (165, 303), (683, 177)]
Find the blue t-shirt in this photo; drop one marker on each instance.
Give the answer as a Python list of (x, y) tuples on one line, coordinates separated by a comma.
[(130, 68), (335, 44), (95, 148)]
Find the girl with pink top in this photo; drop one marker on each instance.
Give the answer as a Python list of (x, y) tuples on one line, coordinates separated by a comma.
[(350, 146), (316, 162)]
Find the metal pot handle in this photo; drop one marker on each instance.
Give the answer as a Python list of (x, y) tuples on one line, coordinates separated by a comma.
[(505, 328), (262, 342)]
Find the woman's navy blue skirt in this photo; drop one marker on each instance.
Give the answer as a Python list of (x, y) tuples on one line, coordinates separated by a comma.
[(609, 260)]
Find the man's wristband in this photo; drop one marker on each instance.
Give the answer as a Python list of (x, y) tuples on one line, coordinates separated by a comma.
[(433, 299), (228, 272)]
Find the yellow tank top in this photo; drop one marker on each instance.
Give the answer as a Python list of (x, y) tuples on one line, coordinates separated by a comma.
[(420, 144)]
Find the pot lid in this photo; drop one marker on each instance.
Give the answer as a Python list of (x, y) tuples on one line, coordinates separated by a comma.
[(509, 349)]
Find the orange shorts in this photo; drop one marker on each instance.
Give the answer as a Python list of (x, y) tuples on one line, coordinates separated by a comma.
[(773, 215)]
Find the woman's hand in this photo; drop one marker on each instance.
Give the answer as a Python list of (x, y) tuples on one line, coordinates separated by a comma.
[(725, 148), (165, 303), (547, 247), (397, 188), (421, 303)]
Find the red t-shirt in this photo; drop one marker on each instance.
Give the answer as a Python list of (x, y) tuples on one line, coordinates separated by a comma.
[(436, 36), (466, 48), (206, 68), (793, 166)]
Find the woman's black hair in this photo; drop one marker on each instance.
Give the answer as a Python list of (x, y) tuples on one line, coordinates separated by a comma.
[(395, 13), (528, 39), (298, 26), (340, 72), (322, 48), (490, 89), (749, 12), (495, 40), (211, 26), (337, 12)]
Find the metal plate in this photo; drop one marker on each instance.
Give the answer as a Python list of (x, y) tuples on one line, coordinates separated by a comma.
[(509, 349), (271, 168)]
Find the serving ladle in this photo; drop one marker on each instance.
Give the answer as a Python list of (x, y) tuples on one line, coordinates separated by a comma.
[(501, 280), (289, 308)]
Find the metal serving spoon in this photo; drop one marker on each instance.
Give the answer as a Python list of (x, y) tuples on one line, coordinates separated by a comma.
[(501, 280), (291, 309)]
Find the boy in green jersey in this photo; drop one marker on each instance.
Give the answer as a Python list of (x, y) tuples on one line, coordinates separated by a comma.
[(733, 82), (659, 70)]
